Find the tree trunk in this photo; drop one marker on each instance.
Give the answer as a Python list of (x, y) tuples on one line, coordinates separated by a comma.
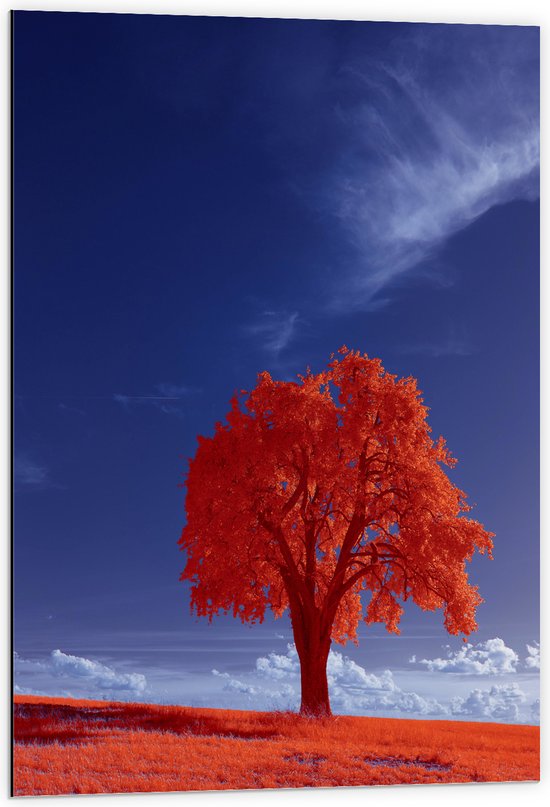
[(312, 640), (313, 672)]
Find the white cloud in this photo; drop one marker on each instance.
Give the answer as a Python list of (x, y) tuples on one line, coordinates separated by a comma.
[(99, 675), (85, 677), (343, 672), (533, 659), (492, 657), (234, 685), (278, 666), (496, 703)]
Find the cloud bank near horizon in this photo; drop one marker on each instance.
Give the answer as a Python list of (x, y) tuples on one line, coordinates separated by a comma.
[(273, 683)]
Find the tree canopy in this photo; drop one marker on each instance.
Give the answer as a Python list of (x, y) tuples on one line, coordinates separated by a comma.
[(328, 496)]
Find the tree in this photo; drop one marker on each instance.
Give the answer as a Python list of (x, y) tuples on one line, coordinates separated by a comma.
[(315, 493)]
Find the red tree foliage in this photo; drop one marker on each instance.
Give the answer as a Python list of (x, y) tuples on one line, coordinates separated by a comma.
[(317, 491)]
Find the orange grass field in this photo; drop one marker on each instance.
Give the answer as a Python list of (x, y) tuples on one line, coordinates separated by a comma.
[(77, 746)]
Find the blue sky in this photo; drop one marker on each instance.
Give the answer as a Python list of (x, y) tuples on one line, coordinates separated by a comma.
[(197, 200)]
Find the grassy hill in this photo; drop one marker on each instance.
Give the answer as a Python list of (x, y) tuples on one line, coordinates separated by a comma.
[(77, 746)]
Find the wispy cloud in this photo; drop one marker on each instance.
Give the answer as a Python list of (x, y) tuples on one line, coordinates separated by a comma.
[(441, 131), (177, 391), (29, 474), (274, 330), (65, 408), (167, 398), (453, 345)]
